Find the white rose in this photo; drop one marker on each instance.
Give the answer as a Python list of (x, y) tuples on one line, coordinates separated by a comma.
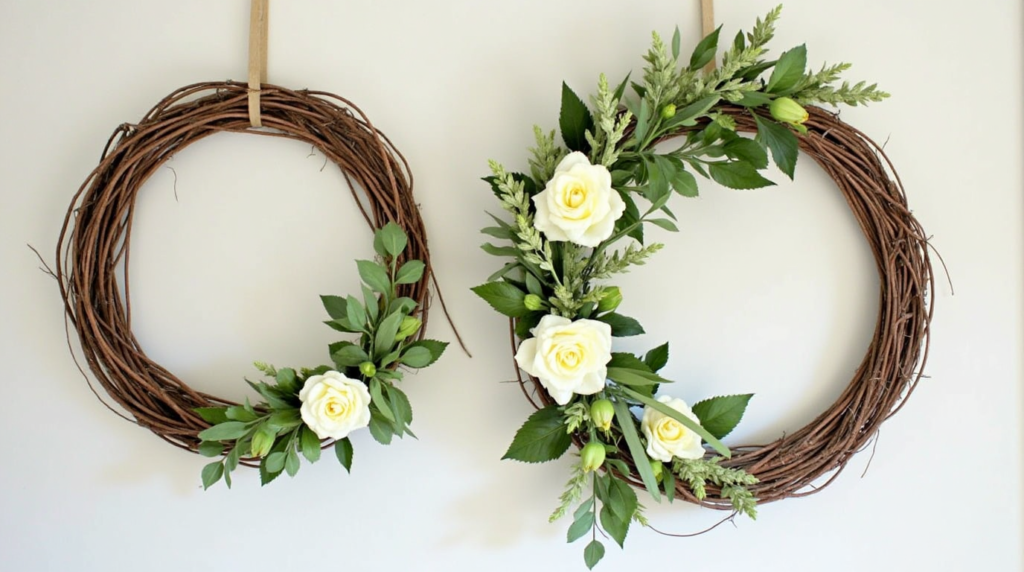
[(666, 437), (568, 357), (333, 405), (578, 203)]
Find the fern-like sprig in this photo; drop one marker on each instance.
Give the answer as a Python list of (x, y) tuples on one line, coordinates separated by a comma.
[(733, 482)]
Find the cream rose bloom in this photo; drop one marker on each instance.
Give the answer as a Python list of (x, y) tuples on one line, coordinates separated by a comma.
[(578, 204), (568, 357), (666, 437), (333, 405)]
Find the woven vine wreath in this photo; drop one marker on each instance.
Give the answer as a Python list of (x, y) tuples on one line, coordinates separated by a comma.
[(302, 410), (581, 201)]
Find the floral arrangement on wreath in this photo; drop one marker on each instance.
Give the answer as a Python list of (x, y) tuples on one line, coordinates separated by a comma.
[(570, 217), (305, 408)]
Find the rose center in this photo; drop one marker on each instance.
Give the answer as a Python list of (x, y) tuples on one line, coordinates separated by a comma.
[(569, 359), (336, 408), (576, 196), (670, 430)]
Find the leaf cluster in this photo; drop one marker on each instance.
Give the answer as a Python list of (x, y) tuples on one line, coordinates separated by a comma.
[(388, 337)]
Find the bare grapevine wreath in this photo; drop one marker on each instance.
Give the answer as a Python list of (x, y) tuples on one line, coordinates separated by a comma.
[(583, 201)]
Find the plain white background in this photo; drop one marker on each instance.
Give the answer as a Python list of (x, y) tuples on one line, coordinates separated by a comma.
[(770, 291)]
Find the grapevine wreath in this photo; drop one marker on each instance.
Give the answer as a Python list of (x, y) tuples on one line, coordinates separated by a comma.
[(609, 180), (304, 410)]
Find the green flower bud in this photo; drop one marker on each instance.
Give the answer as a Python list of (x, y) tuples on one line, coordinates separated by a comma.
[(533, 302), (610, 300), (262, 442), (368, 369), (409, 327), (657, 467), (592, 456), (668, 112), (602, 412), (788, 111)]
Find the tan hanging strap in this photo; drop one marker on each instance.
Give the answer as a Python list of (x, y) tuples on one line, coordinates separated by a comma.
[(707, 24), (258, 29)]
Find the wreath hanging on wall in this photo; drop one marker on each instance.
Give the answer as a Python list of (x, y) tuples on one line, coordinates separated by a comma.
[(578, 219), (302, 410)]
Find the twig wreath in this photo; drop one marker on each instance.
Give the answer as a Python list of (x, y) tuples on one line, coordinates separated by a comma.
[(580, 200), (306, 409)]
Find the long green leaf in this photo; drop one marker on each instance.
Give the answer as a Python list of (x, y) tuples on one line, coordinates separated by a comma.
[(686, 421), (636, 449)]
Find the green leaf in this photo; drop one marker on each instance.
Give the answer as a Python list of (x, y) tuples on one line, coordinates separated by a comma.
[(343, 450), (686, 421), (211, 449), (687, 116), (435, 348), (789, 70), (417, 357), (634, 377), (621, 498), (285, 419), (738, 175), (542, 438), (636, 450), (593, 553), (224, 431), (374, 276), (342, 325), (291, 462), (212, 473), (386, 332), (585, 506), (403, 304), (720, 415), (615, 528), (705, 51), (668, 483), (747, 150), (286, 380), (675, 44), (657, 358), (619, 91), (664, 223), (383, 405), (410, 272), (780, 141), (400, 406), (349, 356), (628, 361), (580, 527), (500, 250), (392, 238), (335, 306), (310, 444), (356, 313), (503, 297), (275, 461), (754, 99), (684, 183), (643, 119), (533, 286), (240, 413), (381, 429), (622, 326), (574, 120), (212, 415), (370, 303)]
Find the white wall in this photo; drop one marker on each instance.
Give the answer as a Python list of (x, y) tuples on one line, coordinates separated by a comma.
[(773, 289)]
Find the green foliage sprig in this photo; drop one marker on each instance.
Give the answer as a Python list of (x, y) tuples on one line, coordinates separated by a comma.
[(273, 431), (625, 134)]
